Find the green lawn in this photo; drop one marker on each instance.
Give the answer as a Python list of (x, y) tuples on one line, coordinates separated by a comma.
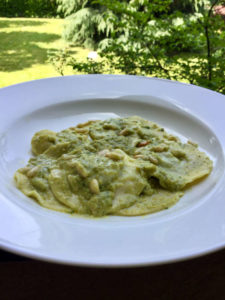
[(24, 44)]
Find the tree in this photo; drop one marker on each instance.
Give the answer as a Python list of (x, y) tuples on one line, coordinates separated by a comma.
[(86, 22), (178, 40), (151, 38)]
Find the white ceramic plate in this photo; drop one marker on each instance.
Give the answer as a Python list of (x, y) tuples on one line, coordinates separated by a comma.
[(195, 226)]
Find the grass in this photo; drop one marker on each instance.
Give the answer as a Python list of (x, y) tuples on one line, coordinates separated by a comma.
[(24, 49)]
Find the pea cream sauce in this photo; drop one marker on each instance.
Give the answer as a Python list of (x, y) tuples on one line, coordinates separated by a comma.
[(119, 166)]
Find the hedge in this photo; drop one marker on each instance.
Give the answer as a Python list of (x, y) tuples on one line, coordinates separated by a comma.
[(28, 8)]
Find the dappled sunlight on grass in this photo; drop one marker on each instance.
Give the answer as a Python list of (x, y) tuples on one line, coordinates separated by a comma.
[(20, 49), (24, 48)]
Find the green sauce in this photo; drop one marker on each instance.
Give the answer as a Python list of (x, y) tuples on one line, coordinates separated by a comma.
[(125, 166)]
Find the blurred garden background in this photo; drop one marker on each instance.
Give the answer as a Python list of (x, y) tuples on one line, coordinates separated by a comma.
[(181, 40)]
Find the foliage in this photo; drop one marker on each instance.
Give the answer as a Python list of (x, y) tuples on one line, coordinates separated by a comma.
[(59, 59), (91, 21), (87, 22), (153, 38), (90, 66), (28, 8), (68, 7)]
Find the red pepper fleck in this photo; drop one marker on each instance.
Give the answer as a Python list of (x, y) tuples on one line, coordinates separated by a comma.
[(143, 143)]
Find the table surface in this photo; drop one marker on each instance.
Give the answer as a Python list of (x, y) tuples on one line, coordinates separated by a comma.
[(200, 278)]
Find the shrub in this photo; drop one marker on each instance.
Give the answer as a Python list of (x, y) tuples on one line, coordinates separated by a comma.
[(28, 8)]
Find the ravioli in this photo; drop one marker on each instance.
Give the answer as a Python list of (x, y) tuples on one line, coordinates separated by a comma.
[(123, 166)]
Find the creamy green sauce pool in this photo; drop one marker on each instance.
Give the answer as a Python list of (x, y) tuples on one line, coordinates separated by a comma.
[(124, 166)]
